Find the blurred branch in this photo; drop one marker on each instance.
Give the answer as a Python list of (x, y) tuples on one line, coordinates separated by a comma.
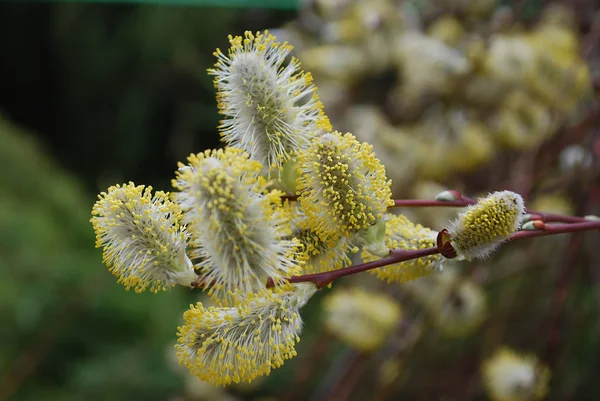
[(306, 368), (342, 376), (559, 297)]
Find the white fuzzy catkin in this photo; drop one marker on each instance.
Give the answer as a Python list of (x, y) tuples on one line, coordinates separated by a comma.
[(143, 243), (238, 344), (271, 110), (483, 227), (237, 226)]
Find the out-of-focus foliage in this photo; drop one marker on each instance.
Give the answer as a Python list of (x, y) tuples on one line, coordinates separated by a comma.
[(68, 332), (442, 88)]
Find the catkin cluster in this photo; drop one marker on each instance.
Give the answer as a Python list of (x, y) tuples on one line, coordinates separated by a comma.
[(226, 227), (287, 196)]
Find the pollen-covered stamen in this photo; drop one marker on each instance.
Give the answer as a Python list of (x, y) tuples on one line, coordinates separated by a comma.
[(401, 233), (482, 227), (238, 228), (271, 110), (343, 187), (142, 240), (320, 254), (225, 345)]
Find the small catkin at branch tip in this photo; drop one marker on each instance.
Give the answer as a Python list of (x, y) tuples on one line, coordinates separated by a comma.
[(482, 227)]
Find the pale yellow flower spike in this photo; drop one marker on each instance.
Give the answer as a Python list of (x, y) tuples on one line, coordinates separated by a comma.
[(272, 111), (401, 233), (361, 319), (239, 231), (343, 187), (225, 345), (142, 240), (509, 376), (481, 228)]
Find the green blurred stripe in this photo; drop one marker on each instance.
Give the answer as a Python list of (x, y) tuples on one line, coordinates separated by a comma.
[(281, 4)]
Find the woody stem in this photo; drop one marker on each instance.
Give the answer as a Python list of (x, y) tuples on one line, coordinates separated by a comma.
[(396, 255), (463, 201), (401, 255)]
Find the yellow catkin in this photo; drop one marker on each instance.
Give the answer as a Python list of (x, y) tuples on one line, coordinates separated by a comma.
[(239, 230), (142, 239), (343, 187), (272, 110), (319, 253), (238, 344), (481, 228)]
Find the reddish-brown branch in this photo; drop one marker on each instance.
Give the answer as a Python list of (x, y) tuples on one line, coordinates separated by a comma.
[(551, 229), (401, 255), (431, 203), (559, 218), (573, 224), (396, 255), (463, 201)]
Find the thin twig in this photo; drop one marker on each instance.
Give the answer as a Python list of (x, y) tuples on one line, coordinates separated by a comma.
[(401, 255), (396, 255), (336, 374), (307, 366), (551, 229), (432, 203), (465, 201), (558, 218)]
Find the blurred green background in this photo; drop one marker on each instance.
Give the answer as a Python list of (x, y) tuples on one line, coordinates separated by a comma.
[(96, 94)]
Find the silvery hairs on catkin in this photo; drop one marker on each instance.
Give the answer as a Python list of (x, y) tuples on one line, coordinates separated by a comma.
[(271, 111)]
